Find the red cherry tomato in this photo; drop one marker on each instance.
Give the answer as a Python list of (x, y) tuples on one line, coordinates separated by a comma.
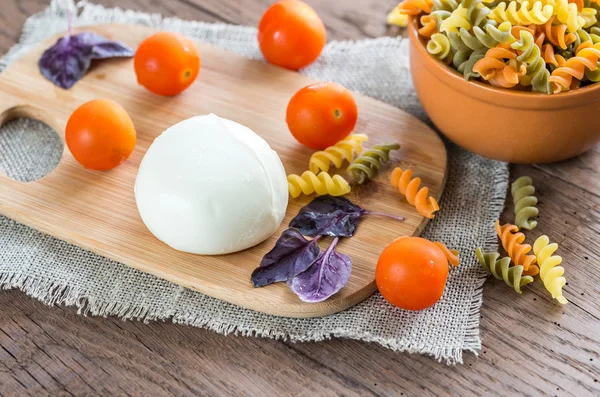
[(166, 63), (100, 134), (320, 115), (411, 273), (291, 34)]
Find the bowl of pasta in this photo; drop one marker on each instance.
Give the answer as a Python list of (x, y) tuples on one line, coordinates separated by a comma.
[(503, 84)]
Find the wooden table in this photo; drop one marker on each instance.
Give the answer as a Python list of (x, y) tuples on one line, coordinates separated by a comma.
[(531, 345)]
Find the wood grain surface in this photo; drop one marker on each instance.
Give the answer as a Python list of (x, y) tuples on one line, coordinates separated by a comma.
[(531, 346), (97, 210)]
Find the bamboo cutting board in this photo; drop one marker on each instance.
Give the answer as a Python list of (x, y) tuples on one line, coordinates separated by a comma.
[(97, 211)]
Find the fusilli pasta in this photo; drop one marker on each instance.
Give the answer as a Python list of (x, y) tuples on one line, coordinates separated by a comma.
[(409, 188), (536, 74), (336, 154), (523, 191), (323, 183), (368, 164), (586, 56), (512, 241), (451, 255), (550, 271), (521, 13), (501, 269)]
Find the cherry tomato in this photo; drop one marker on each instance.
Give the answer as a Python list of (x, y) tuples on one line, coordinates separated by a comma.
[(100, 134), (411, 273), (321, 114), (166, 63), (291, 34)]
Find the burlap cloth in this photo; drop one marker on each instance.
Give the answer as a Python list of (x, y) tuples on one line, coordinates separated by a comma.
[(58, 273)]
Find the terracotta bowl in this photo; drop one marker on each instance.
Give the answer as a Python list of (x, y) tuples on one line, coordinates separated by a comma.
[(502, 124)]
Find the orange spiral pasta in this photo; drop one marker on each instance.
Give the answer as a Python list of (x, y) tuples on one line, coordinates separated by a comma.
[(586, 56), (415, 7), (428, 26), (549, 55), (512, 241), (556, 34), (510, 75), (493, 60), (452, 255), (419, 198)]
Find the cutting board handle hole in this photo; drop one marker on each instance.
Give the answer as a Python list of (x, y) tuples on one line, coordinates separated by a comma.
[(29, 147)]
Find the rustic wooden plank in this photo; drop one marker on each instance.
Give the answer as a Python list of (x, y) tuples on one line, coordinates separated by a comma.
[(531, 346)]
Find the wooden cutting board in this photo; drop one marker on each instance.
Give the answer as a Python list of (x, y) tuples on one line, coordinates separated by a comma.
[(97, 211)]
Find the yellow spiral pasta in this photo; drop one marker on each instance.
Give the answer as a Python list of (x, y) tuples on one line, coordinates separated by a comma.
[(439, 46), (336, 154), (512, 241), (457, 20), (415, 7), (590, 17), (419, 198), (550, 271), (522, 191), (522, 13), (501, 269), (567, 13), (451, 255), (395, 17), (323, 183)]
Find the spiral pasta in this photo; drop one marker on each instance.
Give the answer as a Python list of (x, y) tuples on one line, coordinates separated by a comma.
[(477, 11), (557, 34), (522, 191), (550, 271), (538, 13), (428, 26), (512, 241), (494, 60), (457, 32), (445, 5), (501, 269), (536, 74), (409, 188), (323, 183), (586, 56), (451, 255), (415, 7), (368, 164), (439, 46), (336, 154), (458, 19), (395, 17), (510, 75), (566, 13)]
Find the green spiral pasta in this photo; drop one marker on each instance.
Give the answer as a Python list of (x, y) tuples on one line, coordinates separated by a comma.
[(501, 269), (537, 74), (467, 67), (522, 191), (367, 165), (439, 16), (477, 11), (445, 5)]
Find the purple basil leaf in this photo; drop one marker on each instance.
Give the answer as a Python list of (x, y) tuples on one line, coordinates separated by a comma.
[(291, 255), (328, 274), (67, 61), (328, 216)]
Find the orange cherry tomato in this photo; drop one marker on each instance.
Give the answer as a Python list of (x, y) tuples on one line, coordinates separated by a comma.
[(291, 34), (411, 273), (320, 115), (166, 63), (100, 134)]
